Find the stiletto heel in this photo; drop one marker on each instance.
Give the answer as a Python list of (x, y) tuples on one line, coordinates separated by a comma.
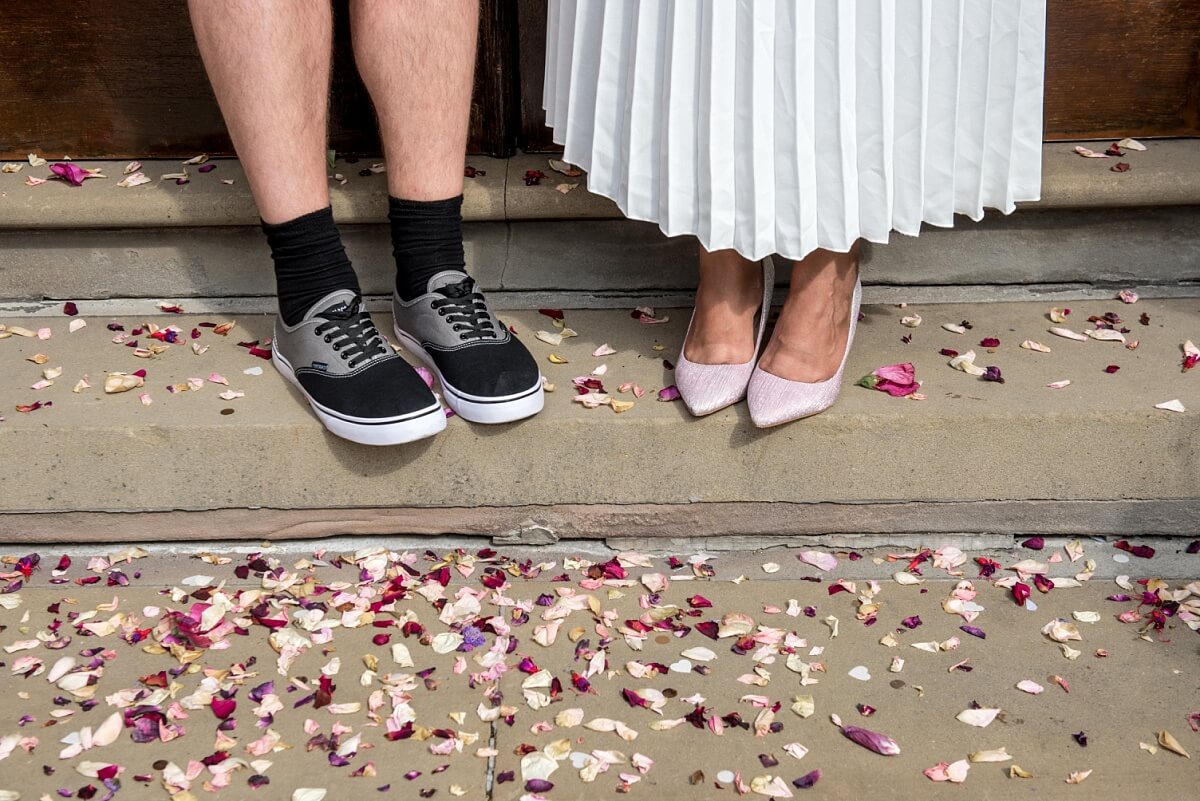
[(774, 400), (708, 388)]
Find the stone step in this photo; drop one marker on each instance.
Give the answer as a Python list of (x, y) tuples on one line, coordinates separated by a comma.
[(973, 457), (1168, 173), (1093, 228)]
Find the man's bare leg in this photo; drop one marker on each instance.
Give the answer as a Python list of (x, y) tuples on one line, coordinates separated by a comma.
[(417, 59), (269, 63)]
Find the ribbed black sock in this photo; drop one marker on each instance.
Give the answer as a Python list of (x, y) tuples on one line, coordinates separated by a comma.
[(426, 239), (310, 262)]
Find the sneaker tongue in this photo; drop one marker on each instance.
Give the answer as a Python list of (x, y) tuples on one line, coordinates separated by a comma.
[(337, 304), (451, 283)]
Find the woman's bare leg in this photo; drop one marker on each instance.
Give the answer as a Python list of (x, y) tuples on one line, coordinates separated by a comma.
[(728, 297), (810, 337)]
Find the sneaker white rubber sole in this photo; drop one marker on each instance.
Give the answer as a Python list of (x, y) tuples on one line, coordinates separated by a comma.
[(477, 409), (369, 431)]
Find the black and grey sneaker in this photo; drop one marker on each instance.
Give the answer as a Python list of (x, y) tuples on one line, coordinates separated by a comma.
[(487, 375), (357, 385)]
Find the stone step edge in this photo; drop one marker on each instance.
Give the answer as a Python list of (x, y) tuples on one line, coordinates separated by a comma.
[(509, 300), (866, 524), (1168, 173)]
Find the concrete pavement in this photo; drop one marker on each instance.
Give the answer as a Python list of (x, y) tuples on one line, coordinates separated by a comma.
[(477, 729)]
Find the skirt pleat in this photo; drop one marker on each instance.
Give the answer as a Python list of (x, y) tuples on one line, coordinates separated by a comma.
[(777, 126)]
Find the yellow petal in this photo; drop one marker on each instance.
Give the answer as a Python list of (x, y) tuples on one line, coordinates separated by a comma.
[(619, 406), (1171, 744)]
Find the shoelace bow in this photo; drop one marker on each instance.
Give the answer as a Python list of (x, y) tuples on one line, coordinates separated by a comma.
[(466, 310), (352, 333)]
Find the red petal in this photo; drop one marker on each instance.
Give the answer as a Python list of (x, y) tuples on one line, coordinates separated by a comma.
[(223, 707), (1020, 592)]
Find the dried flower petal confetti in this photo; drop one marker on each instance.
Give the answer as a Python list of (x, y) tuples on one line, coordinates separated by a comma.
[(955, 772), (978, 717), (897, 380), (1067, 333), (872, 741), (1171, 744)]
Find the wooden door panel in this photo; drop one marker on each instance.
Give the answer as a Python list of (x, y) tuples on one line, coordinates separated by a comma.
[(90, 78)]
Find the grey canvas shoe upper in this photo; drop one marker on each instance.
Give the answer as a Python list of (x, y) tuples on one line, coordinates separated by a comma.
[(350, 375), (478, 360)]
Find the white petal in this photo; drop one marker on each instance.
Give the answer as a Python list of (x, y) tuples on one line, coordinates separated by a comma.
[(978, 717), (1105, 334), (309, 794), (1067, 333)]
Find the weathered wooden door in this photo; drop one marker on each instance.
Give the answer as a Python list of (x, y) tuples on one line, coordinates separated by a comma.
[(95, 78), (123, 78)]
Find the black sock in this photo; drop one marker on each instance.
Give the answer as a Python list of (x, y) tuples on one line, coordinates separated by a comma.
[(426, 239), (310, 262)]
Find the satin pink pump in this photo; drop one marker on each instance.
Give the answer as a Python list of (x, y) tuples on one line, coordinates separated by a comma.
[(708, 388), (774, 401)]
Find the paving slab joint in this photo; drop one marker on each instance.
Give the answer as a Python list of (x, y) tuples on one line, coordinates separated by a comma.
[(529, 532)]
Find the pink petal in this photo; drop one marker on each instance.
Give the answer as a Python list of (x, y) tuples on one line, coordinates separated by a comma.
[(73, 173), (670, 393), (426, 376)]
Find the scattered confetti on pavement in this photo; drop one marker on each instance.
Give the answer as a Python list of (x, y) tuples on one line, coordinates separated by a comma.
[(547, 675)]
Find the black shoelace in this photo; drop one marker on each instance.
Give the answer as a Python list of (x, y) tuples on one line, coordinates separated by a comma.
[(466, 310), (352, 334)]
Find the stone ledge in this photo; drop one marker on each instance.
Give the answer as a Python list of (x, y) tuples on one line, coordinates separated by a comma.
[(611, 261), (1099, 440), (853, 524), (1166, 174)]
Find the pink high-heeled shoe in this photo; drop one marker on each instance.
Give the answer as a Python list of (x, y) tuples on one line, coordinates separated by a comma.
[(774, 401), (708, 388)]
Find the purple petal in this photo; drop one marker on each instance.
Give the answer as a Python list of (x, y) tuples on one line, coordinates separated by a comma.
[(806, 781), (1035, 543), (974, 631), (872, 740), (538, 786), (73, 173)]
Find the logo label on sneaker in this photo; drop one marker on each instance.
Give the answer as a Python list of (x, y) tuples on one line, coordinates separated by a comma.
[(322, 366)]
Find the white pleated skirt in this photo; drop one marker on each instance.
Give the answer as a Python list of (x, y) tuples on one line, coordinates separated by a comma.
[(782, 126)]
